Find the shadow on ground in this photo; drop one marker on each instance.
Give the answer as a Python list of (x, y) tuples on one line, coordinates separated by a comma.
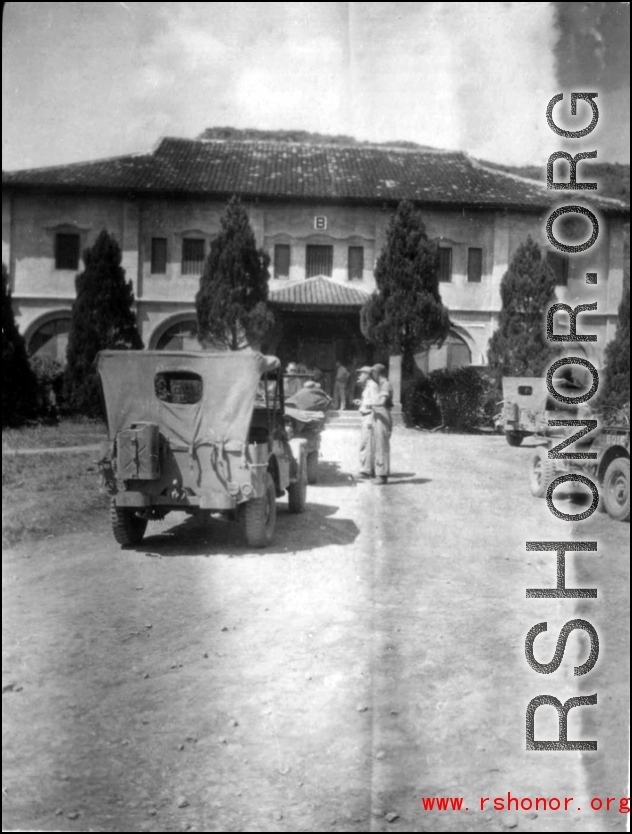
[(330, 474), (215, 536)]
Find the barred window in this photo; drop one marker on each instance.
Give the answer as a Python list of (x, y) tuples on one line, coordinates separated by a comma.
[(356, 263), (559, 265), (445, 264), (281, 260), (319, 261), (158, 255), (474, 265), (192, 256), (67, 251)]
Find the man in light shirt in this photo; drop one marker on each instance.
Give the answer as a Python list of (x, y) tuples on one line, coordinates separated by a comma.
[(367, 444), (383, 424)]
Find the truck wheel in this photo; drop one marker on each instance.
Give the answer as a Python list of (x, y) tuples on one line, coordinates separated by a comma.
[(128, 528), (312, 467), (260, 517), (542, 473), (616, 489), (514, 438), (297, 492)]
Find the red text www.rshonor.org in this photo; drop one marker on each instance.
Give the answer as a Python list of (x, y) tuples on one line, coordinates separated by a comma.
[(538, 803)]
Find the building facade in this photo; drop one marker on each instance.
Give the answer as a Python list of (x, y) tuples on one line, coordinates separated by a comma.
[(321, 211)]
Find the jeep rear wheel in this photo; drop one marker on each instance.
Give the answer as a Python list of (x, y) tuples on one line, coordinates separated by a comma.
[(127, 526), (297, 492), (259, 517), (616, 489), (541, 474), (312, 467), (514, 438)]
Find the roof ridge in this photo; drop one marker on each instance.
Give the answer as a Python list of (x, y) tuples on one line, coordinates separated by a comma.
[(358, 146)]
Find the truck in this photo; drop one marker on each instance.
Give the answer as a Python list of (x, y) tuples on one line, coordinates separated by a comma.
[(610, 470), (527, 406), (198, 432)]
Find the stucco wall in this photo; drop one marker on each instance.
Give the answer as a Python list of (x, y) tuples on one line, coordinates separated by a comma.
[(30, 222)]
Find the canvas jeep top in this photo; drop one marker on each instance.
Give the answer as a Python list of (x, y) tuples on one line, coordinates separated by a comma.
[(193, 430)]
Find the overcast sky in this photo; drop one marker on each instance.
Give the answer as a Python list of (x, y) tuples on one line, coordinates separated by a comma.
[(88, 80)]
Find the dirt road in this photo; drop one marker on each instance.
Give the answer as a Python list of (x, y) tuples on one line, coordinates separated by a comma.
[(373, 656)]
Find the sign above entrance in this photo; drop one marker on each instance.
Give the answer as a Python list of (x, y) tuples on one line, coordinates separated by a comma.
[(320, 223)]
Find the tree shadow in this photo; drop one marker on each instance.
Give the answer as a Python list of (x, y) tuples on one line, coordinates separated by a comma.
[(218, 536)]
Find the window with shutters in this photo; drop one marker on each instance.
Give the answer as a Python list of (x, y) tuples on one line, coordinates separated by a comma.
[(559, 265), (67, 251), (319, 260), (192, 256), (474, 265), (281, 260), (158, 255), (356, 263), (445, 264)]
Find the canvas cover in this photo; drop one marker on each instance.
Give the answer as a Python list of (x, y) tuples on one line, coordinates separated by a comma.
[(222, 415), (536, 400)]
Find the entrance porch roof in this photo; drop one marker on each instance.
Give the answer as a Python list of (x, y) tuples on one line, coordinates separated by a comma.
[(317, 294)]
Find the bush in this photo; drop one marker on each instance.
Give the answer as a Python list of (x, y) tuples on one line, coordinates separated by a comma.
[(458, 398), (50, 380), (615, 389), (419, 405), (19, 386)]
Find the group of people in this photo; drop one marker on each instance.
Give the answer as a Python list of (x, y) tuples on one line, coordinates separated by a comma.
[(375, 406)]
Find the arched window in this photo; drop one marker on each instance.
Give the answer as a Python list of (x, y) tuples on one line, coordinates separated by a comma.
[(180, 336), (51, 340), (454, 353)]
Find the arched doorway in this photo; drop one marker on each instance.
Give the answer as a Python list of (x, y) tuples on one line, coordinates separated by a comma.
[(181, 335), (49, 337), (454, 353)]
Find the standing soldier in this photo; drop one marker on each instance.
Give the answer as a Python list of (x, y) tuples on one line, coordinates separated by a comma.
[(340, 386), (365, 407), (383, 425)]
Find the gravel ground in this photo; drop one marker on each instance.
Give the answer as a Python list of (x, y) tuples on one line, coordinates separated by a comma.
[(372, 656)]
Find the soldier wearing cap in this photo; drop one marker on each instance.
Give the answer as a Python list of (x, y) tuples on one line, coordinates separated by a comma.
[(311, 397), (382, 424), (367, 444)]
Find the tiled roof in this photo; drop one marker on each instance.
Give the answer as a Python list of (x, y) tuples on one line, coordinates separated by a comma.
[(277, 170), (317, 292)]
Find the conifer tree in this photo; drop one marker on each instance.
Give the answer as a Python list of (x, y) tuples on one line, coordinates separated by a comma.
[(102, 318), (616, 382), (405, 314), (19, 386), (519, 346), (231, 301)]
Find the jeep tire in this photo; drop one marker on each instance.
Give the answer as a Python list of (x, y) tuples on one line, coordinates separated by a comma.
[(541, 474), (616, 489), (127, 526), (312, 467), (259, 516), (297, 492)]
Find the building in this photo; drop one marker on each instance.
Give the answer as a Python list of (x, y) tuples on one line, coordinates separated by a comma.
[(321, 211)]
